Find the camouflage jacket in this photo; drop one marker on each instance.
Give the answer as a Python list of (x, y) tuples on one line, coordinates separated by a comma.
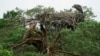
[(32, 33)]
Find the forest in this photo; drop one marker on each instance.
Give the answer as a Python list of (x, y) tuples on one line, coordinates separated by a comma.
[(84, 40)]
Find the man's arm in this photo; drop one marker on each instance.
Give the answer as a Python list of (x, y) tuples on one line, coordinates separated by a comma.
[(26, 35)]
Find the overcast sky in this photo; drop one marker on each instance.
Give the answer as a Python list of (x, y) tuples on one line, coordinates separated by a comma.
[(6, 5)]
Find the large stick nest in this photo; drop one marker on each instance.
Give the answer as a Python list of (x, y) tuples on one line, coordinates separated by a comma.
[(59, 20)]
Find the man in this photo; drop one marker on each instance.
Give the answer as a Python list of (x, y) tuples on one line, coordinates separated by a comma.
[(32, 32), (33, 37)]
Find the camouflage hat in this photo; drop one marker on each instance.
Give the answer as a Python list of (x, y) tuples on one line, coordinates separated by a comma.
[(32, 22)]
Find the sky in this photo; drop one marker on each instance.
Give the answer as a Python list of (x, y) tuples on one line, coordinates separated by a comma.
[(6, 5)]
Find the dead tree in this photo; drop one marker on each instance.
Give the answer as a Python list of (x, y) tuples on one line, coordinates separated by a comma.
[(50, 49)]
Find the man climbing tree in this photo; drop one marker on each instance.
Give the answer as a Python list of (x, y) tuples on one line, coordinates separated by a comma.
[(34, 37)]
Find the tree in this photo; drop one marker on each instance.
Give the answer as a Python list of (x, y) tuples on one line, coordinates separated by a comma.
[(38, 9), (88, 12), (33, 11), (13, 14), (10, 14), (20, 13)]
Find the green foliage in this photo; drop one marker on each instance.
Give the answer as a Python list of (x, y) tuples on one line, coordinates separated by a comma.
[(85, 40), (1, 47), (39, 9), (3, 23), (30, 54), (34, 10), (10, 14), (11, 35), (88, 13), (13, 14), (4, 52)]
